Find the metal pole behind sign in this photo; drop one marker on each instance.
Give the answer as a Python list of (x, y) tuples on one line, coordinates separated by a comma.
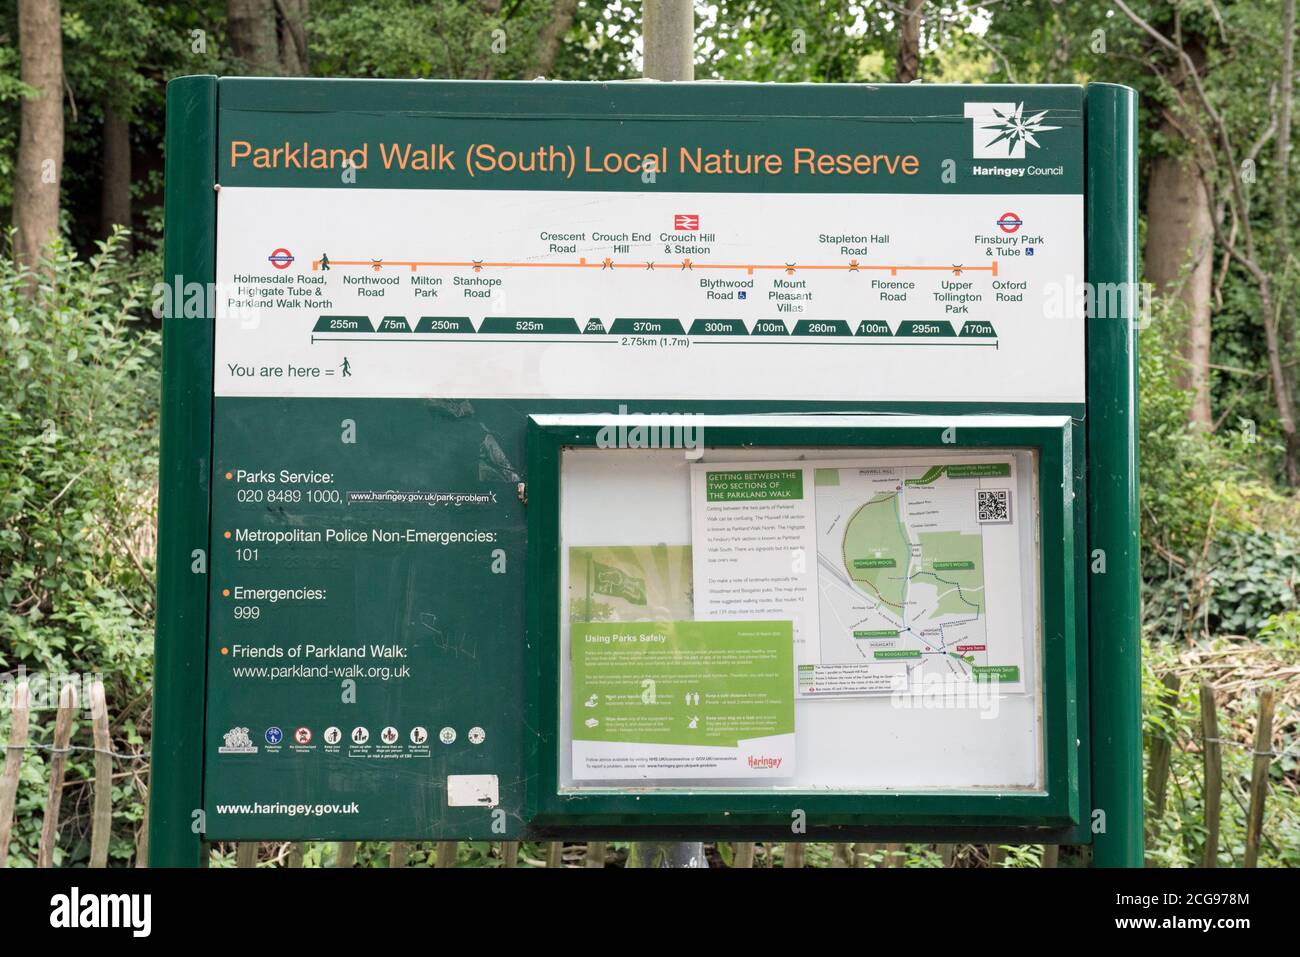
[(666, 854), (668, 40), (668, 47)]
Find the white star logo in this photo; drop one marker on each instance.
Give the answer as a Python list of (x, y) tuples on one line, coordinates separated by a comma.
[(1016, 128), (1001, 130)]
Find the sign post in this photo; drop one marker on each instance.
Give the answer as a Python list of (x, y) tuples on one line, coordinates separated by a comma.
[(689, 461), (668, 37), (1116, 662)]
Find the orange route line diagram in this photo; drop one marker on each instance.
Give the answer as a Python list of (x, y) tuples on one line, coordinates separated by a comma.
[(689, 265)]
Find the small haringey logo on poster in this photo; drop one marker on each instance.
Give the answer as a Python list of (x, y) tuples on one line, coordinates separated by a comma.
[(237, 742), (1001, 130)]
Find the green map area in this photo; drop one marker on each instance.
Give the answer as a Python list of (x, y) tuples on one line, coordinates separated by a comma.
[(877, 551), (878, 557), (955, 561)]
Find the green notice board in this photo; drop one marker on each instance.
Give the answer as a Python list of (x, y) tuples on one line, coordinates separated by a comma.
[(373, 287)]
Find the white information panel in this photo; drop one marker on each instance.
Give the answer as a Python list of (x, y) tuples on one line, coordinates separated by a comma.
[(875, 613), (520, 294)]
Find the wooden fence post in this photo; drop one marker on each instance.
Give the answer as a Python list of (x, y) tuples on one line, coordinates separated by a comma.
[(1161, 752), (58, 766), (347, 854), (101, 821), (1213, 785), (446, 854), (14, 754), (509, 853), (400, 854), (246, 854), (296, 852), (555, 854), (794, 855), (595, 854), (947, 853), (1051, 855), (142, 835), (997, 855), (742, 855), (1259, 775)]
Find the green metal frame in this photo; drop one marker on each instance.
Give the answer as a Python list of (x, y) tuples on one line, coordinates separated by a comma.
[(180, 674), (1104, 474), (1110, 133), (768, 813)]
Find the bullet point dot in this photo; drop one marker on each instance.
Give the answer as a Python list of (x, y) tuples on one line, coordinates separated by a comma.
[(225, 593), (225, 651), (227, 534), (230, 475)]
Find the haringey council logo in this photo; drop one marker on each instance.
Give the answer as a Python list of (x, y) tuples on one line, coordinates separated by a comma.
[(1001, 130)]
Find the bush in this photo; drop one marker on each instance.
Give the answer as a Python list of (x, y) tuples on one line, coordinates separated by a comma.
[(78, 462), (1208, 563)]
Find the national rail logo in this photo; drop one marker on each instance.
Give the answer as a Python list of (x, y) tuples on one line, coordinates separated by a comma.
[(1001, 130)]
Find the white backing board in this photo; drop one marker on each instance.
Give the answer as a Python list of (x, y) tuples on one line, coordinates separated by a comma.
[(879, 742)]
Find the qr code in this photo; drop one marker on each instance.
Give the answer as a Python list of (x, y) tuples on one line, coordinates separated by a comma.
[(993, 505)]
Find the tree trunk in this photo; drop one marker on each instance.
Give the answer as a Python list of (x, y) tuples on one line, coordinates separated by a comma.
[(115, 196), (292, 26), (40, 142), (254, 39), (269, 36), (1282, 222), (1180, 263), (908, 66), (548, 44)]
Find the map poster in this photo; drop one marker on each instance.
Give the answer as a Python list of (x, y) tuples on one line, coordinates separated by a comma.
[(880, 562), (682, 699)]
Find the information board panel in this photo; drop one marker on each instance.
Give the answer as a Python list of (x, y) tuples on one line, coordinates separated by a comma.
[(908, 591), (404, 273), (643, 731)]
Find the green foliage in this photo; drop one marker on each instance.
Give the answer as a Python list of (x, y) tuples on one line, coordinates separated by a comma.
[(1177, 838), (790, 41), (78, 463), (417, 38), (603, 43), (1219, 546), (12, 91), (1253, 579)]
